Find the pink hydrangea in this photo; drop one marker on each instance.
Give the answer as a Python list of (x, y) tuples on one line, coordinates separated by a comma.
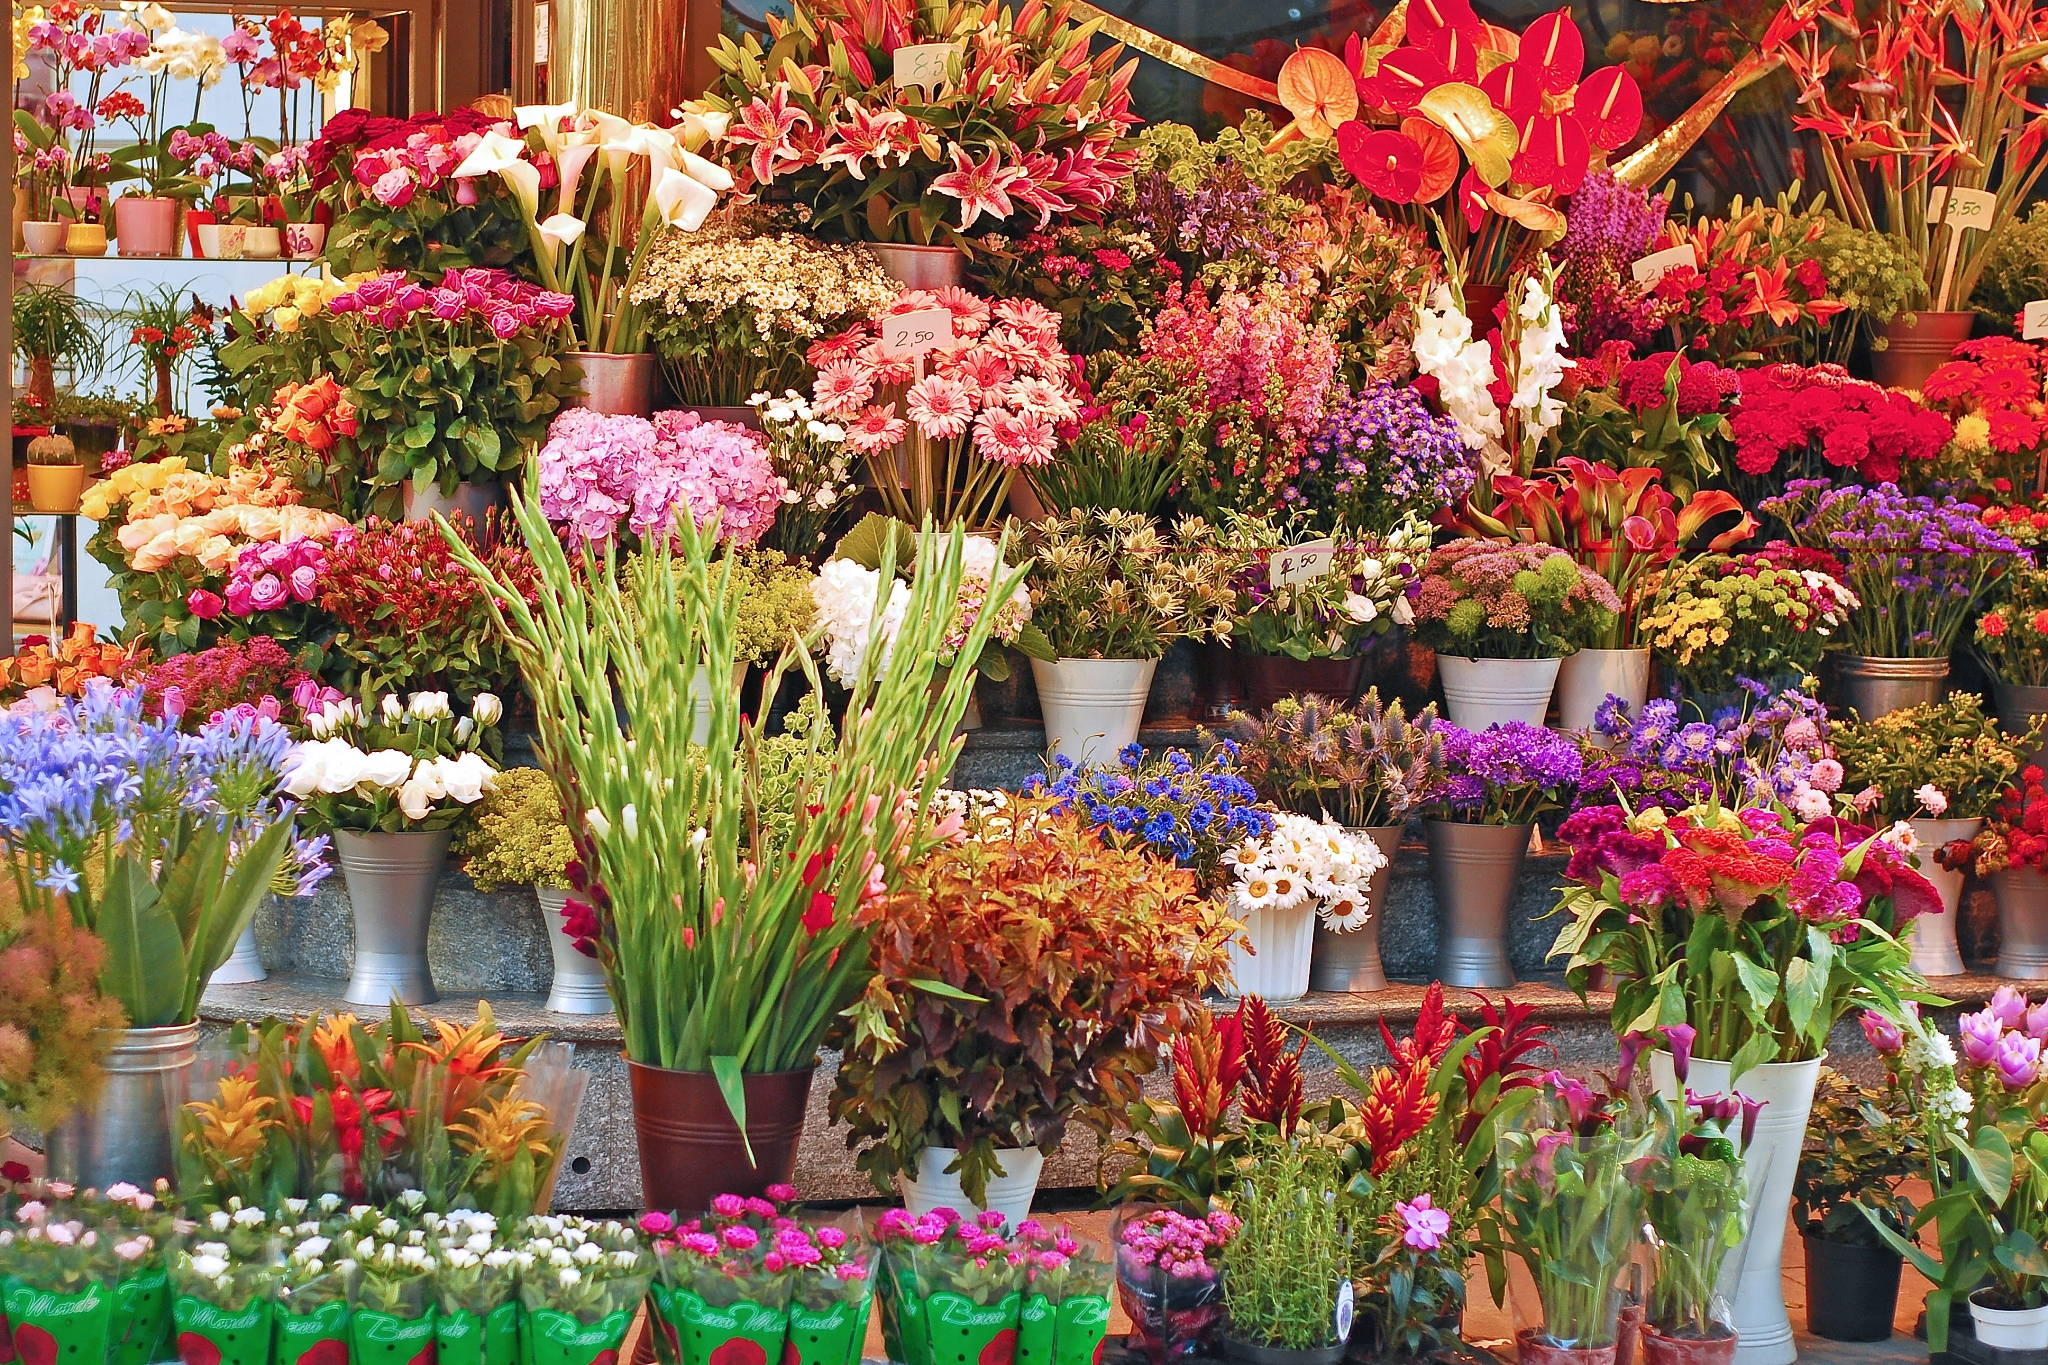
[(597, 471)]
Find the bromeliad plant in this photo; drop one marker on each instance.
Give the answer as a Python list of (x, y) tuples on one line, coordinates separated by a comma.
[(725, 951), (1755, 928), (161, 844)]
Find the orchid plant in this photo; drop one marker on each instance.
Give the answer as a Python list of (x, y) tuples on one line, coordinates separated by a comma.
[(592, 152)]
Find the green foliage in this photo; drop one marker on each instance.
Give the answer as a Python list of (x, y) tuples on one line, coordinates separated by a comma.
[(1110, 585), (1282, 1269), (2015, 270), (53, 323), (1023, 979), (1862, 1145), (431, 234), (1950, 744), (518, 837)]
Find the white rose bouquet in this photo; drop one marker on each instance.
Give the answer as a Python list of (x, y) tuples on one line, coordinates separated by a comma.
[(402, 765)]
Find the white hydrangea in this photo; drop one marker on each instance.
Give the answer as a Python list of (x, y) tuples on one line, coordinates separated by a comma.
[(1446, 351), (1308, 861), (845, 594)]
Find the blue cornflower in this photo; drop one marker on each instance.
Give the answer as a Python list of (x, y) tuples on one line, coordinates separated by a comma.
[(1161, 828), (1131, 755)]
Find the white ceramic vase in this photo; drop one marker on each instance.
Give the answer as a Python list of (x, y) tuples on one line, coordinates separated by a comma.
[(578, 985), (1585, 681), (1762, 1327), (1283, 944), (1009, 1194), (1092, 707), (1483, 692), (2023, 1330), (243, 965), (1934, 936)]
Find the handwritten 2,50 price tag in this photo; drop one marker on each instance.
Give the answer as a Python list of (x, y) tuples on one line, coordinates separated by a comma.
[(2034, 321), (1303, 563), (905, 336), (1653, 267)]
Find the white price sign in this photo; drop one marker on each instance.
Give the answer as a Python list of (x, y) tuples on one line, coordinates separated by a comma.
[(2034, 321), (1303, 563), (925, 64), (1654, 266), (905, 336)]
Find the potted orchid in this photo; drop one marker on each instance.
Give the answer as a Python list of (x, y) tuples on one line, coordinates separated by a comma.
[(1500, 617), (1477, 824), (391, 780)]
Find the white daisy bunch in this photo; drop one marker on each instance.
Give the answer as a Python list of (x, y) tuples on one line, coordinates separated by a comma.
[(1307, 861)]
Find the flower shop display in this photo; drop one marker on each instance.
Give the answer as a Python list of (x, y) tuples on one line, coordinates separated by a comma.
[(707, 1023), (872, 153), (1477, 824), (56, 476), (1694, 1220), (1109, 591), (984, 390), (182, 836), (1187, 813), (1569, 1212), (1767, 617), (1286, 1268), (1380, 457), (2013, 647), (1625, 527), (1809, 909), (1023, 978), (518, 837), (1862, 1144), (2011, 851), (1304, 876), (1367, 767), (1755, 287), (1169, 1277), (39, 668), (1304, 619), (733, 306), (391, 781), (1917, 567), (1943, 767), (1800, 422), (1499, 617)]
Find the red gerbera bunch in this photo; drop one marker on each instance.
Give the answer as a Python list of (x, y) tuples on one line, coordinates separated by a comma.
[(1996, 391)]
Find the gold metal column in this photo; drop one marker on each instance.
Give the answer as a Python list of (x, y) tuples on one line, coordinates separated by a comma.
[(618, 55)]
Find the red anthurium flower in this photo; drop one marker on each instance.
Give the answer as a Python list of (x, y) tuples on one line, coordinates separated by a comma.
[(1472, 199), (1609, 105), (1449, 31), (1440, 160), (1553, 53), (1514, 91), (1388, 163), (1554, 152), (1405, 75)]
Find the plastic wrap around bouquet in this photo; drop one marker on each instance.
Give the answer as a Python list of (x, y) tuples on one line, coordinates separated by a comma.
[(750, 1284), (1169, 1277), (83, 1276), (955, 1291)]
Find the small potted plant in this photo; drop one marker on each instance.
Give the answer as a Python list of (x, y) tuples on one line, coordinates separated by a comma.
[(2012, 643), (1569, 1211), (1287, 1297), (1942, 766), (519, 838), (391, 781), (1305, 875), (966, 1059), (224, 1287), (52, 328), (392, 1298), (1477, 824), (1110, 590), (1366, 766), (94, 424), (1862, 1144), (1500, 616), (582, 1310), (951, 1290), (1694, 1192), (2012, 854), (1169, 1276), (56, 476)]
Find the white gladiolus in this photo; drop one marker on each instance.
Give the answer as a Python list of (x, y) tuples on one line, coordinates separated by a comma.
[(1539, 365), (1463, 368)]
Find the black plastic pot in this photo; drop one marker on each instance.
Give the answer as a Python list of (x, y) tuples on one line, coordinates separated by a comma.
[(1254, 1354), (1852, 1292)]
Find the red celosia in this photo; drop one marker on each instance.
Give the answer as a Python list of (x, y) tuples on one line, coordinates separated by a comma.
[(1867, 431), (1208, 1064)]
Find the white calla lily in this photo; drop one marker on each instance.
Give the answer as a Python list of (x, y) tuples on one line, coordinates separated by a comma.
[(709, 174), (682, 201), (494, 153), (562, 229), (569, 164), (546, 117)]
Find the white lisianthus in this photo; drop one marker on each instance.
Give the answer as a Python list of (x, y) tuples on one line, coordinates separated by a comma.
[(1932, 799)]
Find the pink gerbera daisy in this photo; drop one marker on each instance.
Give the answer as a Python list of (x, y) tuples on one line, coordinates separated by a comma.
[(940, 406), (1013, 438), (1040, 398), (843, 386), (876, 430), (1032, 319), (970, 311)]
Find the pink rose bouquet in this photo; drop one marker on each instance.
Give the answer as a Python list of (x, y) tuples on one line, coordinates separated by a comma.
[(992, 399)]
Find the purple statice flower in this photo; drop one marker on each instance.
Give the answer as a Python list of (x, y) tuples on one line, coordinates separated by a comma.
[(1506, 774), (1226, 217), (1380, 454), (1609, 226)]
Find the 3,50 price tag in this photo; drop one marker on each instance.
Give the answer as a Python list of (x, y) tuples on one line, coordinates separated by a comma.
[(1972, 209), (905, 336), (925, 64), (1303, 563)]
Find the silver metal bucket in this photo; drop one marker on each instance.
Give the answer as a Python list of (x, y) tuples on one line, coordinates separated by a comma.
[(391, 880), (128, 1132)]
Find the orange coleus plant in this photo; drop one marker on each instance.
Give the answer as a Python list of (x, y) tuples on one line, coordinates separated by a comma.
[(1025, 977)]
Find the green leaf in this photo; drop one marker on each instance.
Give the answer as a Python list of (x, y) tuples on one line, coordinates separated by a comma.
[(1032, 643), (1762, 1047), (726, 1071), (145, 968), (1990, 1161), (936, 987), (1760, 983), (868, 543), (1804, 983)]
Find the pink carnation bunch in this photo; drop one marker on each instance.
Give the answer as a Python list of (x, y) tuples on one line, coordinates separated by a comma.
[(597, 471), (507, 304), (1004, 378), (274, 574)]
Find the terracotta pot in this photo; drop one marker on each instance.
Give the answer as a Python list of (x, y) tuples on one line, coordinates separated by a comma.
[(146, 225), (690, 1149), (1917, 348), (1533, 1349), (1659, 1349), (1269, 677), (1628, 1331), (55, 488)]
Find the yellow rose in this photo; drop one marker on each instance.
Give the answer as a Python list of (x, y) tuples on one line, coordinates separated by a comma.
[(217, 555), (259, 523), (285, 319), (94, 506), (189, 535), (157, 554)]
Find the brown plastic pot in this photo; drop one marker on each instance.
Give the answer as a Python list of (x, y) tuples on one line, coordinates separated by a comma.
[(691, 1150), (1659, 1349), (1269, 677), (1534, 1350)]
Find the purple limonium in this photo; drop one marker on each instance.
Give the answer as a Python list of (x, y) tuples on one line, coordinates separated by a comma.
[(1381, 454), (1610, 225)]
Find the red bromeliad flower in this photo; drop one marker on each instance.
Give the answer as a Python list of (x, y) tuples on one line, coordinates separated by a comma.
[(1208, 1065), (1272, 1082)]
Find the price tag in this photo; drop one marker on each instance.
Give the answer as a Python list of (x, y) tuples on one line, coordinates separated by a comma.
[(2034, 321), (906, 336), (1346, 1309), (1973, 208), (1303, 563), (924, 64), (1654, 266)]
